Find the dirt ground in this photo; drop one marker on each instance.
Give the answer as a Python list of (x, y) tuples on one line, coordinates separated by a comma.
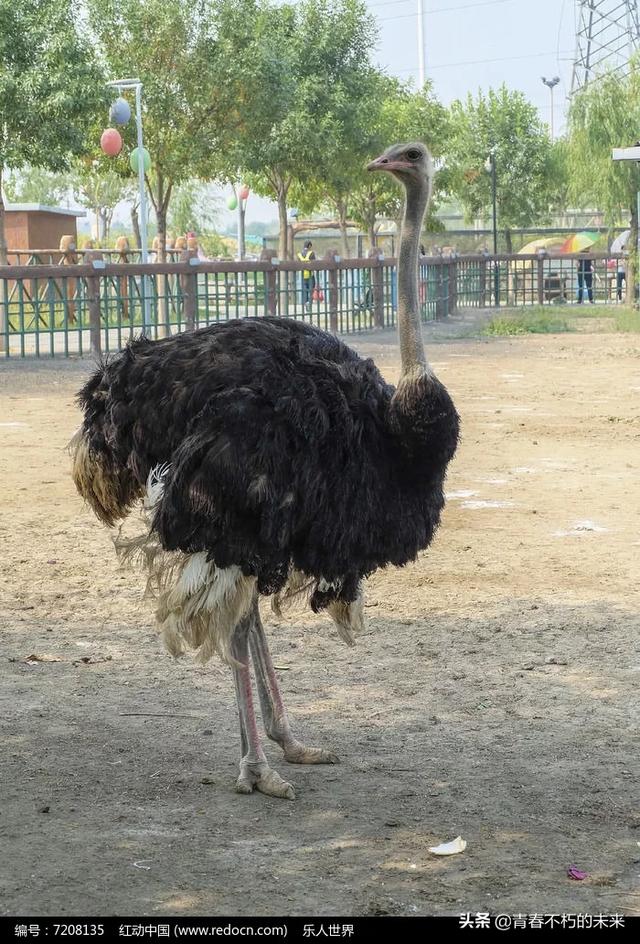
[(493, 696)]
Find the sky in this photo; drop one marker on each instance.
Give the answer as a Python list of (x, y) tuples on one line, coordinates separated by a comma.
[(473, 44)]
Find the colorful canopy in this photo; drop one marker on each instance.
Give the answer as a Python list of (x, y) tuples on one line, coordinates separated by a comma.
[(546, 242), (580, 242)]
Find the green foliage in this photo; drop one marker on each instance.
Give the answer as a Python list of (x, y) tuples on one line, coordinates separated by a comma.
[(215, 246), (536, 321), (313, 63), (529, 171), (37, 185), (604, 115), (50, 88), (50, 84), (194, 208), (193, 83), (397, 113), (627, 320)]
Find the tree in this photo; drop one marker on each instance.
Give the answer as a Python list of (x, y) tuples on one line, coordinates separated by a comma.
[(100, 189), (36, 185), (180, 52), (604, 115), (504, 123), (194, 208), (309, 69), (50, 88), (396, 113)]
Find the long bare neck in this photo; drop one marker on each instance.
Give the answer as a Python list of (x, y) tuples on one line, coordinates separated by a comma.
[(412, 354)]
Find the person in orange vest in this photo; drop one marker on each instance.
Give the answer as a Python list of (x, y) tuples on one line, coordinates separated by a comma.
[(308, 278)]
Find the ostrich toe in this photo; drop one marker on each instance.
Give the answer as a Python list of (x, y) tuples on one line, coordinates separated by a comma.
[(259, 776), (297, 753)]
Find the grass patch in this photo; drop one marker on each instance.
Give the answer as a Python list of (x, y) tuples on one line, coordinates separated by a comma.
[(533, 321), (627, 320)]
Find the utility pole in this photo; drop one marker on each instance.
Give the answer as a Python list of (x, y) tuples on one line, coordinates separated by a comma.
[(607, 35), (551, 84), (421, 62)]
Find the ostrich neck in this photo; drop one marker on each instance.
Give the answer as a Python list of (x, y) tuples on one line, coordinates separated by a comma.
[(412, 354)]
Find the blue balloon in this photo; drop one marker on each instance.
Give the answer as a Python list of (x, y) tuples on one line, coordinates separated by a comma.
[(120, 112)]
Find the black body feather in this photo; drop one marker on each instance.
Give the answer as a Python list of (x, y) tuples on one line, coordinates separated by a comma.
[(286, 449)]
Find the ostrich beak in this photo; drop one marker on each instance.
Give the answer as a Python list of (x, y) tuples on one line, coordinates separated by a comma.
[(384, 163)]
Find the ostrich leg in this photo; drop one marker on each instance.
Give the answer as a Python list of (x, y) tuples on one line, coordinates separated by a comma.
[(274, 713), (255, 773)]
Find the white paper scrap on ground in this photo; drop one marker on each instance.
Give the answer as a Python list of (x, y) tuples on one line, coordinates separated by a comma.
[(449, 848)]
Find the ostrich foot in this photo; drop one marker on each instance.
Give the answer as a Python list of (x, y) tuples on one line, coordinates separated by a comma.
[(257, 775), (297, 753)]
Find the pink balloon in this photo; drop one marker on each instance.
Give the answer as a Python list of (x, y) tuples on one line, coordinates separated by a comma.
[(244, 192), (111, 142)]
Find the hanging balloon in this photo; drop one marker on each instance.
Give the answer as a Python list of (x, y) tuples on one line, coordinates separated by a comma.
[(111, 142), (232, 202), (146, 160), (120, 112), (244, 192)]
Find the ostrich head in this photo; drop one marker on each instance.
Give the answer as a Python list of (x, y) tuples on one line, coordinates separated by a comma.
[(411, 165)]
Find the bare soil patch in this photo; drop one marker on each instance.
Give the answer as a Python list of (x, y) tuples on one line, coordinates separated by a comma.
[(494, 694)]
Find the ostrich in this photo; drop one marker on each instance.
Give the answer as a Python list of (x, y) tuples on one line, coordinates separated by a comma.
[(271, 460)]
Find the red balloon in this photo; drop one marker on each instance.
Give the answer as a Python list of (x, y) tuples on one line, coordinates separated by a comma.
[(111, 142), (244, 192)]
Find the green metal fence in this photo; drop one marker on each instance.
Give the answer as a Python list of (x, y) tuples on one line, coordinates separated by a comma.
[(97, 306)]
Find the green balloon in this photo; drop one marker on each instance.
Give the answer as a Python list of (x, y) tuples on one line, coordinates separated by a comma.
[(232, 202), (146, 160)]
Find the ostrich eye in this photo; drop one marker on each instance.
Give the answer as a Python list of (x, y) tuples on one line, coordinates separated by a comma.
[(413, 154)]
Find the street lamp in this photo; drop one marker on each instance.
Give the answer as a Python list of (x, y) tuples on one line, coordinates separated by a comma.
[(490, 167), (136, 86), (551, 84)]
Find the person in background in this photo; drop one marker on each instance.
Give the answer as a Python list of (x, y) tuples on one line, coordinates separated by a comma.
[(585, 277), (308, 278), (621, 272)]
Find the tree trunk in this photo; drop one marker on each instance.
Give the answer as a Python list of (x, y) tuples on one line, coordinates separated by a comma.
[(283, 223), (341, 207), (508, 240), (135, 225), (3, 239), (371, 232), (241, 241)]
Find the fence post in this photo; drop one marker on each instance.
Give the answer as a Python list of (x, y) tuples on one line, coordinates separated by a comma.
[(453, 286), (332, 257), (93, 299), (377, 287), (270, 279), (189, 288), (541, 278), (483, 280), (69, 257), (440, 296), (123, 249)]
